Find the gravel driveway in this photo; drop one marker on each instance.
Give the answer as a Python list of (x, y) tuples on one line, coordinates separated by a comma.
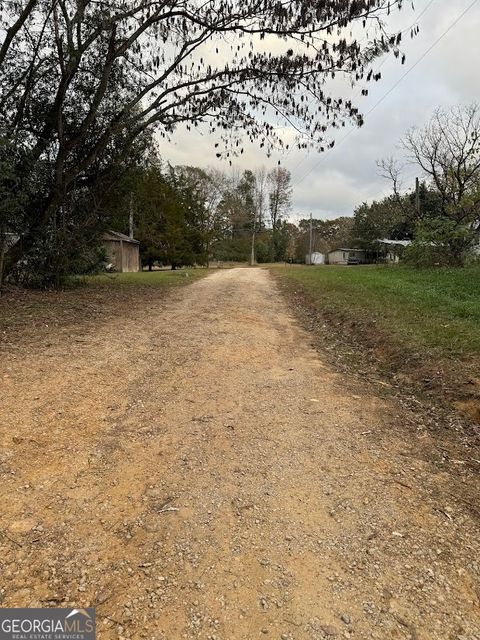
[(195, 470)]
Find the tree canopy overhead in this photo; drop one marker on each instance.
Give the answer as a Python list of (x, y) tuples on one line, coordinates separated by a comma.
[(79, 69), (81, 82)]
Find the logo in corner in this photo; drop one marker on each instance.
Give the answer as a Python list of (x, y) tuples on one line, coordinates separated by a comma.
[(83, 612), (47, 624)]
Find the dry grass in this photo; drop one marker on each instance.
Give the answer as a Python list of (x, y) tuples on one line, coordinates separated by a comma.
[(25, 314)]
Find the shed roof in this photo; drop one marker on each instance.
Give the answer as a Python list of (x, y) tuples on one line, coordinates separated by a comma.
[(343, 249), (116, 235)]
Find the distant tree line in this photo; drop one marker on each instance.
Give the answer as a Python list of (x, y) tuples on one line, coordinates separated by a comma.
[(185, 215), (445, 220), (83, 86), (442, 218)]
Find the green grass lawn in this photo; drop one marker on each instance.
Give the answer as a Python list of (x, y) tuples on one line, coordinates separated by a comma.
[(432, 309), (147, 278)]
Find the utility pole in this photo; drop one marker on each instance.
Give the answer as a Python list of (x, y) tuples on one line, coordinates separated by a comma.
[(417, 196), (130, 217), (311, 240), (252, 255)]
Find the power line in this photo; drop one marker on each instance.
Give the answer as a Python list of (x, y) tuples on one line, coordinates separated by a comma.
[(385, 58), (422, 57)]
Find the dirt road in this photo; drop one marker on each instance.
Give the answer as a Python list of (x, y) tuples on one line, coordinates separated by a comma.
[(195, 470)]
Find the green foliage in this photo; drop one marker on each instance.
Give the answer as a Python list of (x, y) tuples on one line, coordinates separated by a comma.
[(378, 220), (233, 249), (446, 224), (441, 234), (238, 217), (284, 241), (67, 239), (280, 198), (246, 194), (263, 249), (237, 204), (57, 255), (169, 214), (441, 241), (82, 82), (13, 192)]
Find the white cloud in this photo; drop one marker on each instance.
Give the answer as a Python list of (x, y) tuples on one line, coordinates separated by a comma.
[(339, 180)]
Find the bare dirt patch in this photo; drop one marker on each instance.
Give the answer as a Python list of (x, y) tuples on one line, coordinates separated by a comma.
[(196, 470), (31, 316)]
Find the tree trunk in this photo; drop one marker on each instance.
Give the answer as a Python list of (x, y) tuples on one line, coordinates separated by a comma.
[(2, 262)]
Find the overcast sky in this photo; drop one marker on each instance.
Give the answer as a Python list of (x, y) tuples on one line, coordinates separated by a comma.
[(333, 183)]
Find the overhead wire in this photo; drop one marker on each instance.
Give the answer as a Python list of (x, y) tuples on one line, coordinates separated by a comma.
[(392, 88), (385, 58)]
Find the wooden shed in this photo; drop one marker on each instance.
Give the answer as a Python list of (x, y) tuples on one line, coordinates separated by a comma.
[(123, 252)]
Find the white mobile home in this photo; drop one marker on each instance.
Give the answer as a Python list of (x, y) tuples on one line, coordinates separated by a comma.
[(347, 256)]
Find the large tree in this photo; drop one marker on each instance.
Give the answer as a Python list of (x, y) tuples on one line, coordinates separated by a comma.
[(169, 211), (81, 80), (261, 189), (280, 194), (280, 202), (447, 151), (206, 189), (386, 218)]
